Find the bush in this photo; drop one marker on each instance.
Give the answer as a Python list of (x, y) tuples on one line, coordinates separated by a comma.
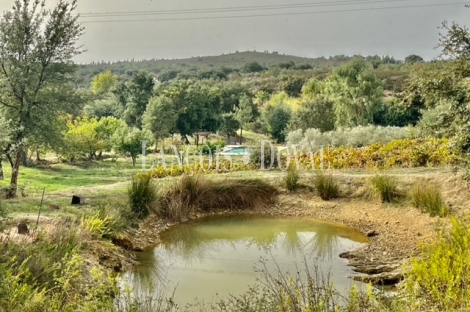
[(196, 192), (440, 277), (386, 187), (292, 179), (142, 195), (260, 159), (212, 146), (428, 199), (326, 186)]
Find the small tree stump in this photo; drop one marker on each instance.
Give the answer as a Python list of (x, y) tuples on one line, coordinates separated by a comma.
[(54, 207), (77, 200), (23, 228)]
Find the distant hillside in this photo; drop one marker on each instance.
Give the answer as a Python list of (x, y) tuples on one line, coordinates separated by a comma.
[(169, 69)]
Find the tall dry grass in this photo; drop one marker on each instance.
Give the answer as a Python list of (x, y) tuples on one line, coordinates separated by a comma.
[(195, 192)]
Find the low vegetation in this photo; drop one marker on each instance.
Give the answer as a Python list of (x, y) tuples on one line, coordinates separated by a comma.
[(386, 187), (142, 195), (438, 280), (428, 198), (292, 179), (191, 193), (326, 186)]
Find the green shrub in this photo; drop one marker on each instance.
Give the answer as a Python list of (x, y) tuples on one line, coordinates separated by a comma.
[(326, 186), (142, 195), (428, 199), (196, 192), (440, 277), (386, 187), (292, 179)]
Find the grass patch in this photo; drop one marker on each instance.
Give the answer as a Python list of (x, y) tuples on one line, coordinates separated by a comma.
[(326, 186), (196, 192), (386, 187), (292, 179), (142, 195), (428, 198)]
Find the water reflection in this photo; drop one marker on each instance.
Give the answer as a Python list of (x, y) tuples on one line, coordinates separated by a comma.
[(294, 235), (216, 255)]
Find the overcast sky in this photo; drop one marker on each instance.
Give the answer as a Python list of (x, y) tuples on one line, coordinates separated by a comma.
[(360, 27)]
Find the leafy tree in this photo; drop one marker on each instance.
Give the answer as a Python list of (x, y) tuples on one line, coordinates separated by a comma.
[(244, 113), (292, 85), (230, 94), (140, 90), (447, 86), (394, 113), (130, 141), (89, 137), (107, 106), (316, 112), (103, 83), (356, 92), (197, 104), (229, 125), (160, 117), (278, 117), (36, 49), (252, 67), (413, 58)]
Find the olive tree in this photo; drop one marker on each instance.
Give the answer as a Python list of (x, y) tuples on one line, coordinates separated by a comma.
[(36, 48)]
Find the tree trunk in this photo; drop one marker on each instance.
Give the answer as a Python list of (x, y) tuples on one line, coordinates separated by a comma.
[(2, 176), (14, 174), (241, 135), (134, 160), (38, 156), (10, 160), (24, 158)]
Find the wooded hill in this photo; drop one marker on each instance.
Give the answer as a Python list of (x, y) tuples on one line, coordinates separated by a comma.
[(218, 67)]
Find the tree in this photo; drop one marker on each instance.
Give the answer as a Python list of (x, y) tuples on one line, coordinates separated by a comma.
[(292, 85), (198, 106), (413, 58), (130, 141), (315, 112), (357, 93), (229, 125), (36, 49), (5, 132), (277, 118), (89, 137), (103, 83), (140, 90), (107, 106), (160, 117), (252, 67), (244, 113), (445, 89)]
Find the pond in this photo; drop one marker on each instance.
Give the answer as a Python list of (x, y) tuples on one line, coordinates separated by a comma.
[(218, 256)]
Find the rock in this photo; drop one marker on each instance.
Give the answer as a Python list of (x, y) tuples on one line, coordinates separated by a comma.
[(383, 279), (23, 228), (371, 233), (123, 242), (375, 269), (347, 255)]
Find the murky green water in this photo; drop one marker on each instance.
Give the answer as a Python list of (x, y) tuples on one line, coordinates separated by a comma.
[(217, 256)]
